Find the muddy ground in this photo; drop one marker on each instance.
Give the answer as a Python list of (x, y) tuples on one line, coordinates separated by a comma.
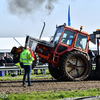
[(46, 85)]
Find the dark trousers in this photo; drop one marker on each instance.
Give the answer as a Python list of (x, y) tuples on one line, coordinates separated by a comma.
[(27, 73)]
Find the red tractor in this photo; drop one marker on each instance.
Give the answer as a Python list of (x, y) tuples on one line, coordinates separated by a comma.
[(66, 53)]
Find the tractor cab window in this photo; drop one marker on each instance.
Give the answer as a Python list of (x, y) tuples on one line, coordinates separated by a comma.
[(81, 41), (57, 34), (67, 37)]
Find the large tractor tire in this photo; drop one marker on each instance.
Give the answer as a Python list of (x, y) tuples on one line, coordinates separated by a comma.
[(75, 66), (54, 72)]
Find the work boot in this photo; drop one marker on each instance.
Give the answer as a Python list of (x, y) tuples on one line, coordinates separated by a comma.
[(24, 85)]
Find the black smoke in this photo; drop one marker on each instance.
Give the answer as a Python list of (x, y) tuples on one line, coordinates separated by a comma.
[(27, 7)]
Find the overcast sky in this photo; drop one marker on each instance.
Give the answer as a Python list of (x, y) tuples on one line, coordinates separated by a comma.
[(21, 17)]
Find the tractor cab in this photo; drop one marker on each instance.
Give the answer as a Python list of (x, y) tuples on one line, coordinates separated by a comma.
[(67, 38)]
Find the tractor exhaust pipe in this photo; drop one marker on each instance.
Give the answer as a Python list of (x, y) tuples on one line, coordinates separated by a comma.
[(42, 30)]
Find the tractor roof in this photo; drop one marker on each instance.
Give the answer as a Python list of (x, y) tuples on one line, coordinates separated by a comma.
[(74, 29)]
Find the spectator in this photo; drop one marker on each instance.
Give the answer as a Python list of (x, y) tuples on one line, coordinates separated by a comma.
[(2, 61), (32, 54), (42, 71), (8, 58), (35, 71), (26, 59)]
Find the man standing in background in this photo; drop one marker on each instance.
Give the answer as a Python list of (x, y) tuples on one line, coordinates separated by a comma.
[(26, 59)]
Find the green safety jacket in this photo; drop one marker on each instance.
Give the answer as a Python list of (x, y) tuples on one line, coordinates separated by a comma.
[(26, 58)]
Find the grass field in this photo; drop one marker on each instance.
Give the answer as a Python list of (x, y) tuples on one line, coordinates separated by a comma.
[(50, 95), (45, 95), (33, 76)]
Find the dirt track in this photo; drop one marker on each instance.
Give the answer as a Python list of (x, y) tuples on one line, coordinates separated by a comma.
[(46, 85)]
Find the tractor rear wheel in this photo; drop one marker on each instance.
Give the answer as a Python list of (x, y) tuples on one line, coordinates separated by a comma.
[(75, 66), (54, 71)]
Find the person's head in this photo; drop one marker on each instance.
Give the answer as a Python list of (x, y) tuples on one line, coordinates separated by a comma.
[(7, 55), (2, 57), (27, 47)]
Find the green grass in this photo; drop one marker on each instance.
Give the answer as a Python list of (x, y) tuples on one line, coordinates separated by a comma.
[(33, 76), (51, 95), (45, 95)]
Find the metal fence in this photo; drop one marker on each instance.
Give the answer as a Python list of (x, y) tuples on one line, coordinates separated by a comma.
[(13, 68)]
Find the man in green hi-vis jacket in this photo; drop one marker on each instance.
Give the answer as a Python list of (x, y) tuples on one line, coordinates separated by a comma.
[(26, 59)]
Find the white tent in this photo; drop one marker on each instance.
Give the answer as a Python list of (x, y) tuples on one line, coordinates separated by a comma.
[(6, 44)]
